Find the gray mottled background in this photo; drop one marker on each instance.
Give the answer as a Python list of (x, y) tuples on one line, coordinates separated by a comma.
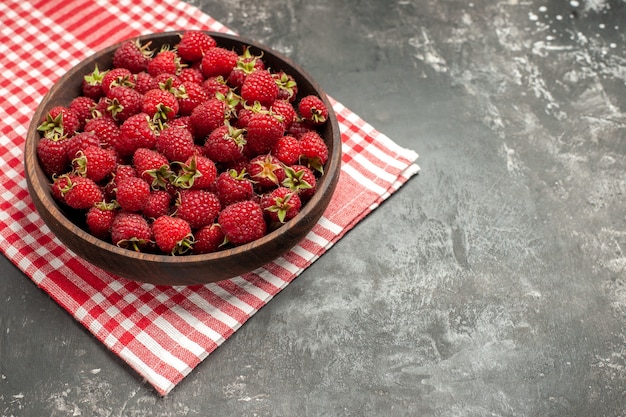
[(492, 284)]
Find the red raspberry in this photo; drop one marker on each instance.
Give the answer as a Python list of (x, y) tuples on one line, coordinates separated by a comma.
[(131, 231), (299, 127), (182, 122), (177, 144), (225, 144), (208, 239), (287, 150), (242, 222), (198, 172), (207, 117), (159, 204), (132, 56), (250, 61), (91, 85), (52, 155), (191, 96), (266, 171), (59, 121), (218, 61), (246, 65), (193, 44), (153, 167), (259, 86), (124, 171), (164, 62), (99, 219), (214, 85), (82, 193), (236, 78), (60, 184), (246, 112), (145, 82), (105, 129), (117, 77), (168, 82), (161, 103), (264, 130), (284, 109), (95, 162), (301, 179), (191, 75), (313, 110), (172, 235), (80, 141), (281, 204), (83, 107), (136, 132), (121, 171), (204, 170), (123, 102), (287, 86), (314, 150), (197, 207), (232, 186), (132, 194), (102, 109)]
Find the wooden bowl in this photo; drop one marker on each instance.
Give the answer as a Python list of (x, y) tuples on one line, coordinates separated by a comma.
[(188, 269)]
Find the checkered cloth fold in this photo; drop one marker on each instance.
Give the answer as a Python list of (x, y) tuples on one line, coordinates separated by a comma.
[(161, 332)]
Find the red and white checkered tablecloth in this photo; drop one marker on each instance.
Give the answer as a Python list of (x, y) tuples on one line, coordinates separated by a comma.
[(161, 332)]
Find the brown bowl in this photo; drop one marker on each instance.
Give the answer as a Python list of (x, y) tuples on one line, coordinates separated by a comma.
[(188, 269)]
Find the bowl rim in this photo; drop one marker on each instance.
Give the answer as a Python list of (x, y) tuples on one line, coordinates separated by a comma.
[(327, 183)]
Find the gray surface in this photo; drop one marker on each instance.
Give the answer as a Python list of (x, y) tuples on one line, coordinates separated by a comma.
[(492, 284)]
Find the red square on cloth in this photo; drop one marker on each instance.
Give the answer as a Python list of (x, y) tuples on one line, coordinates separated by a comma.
[(160, 332)]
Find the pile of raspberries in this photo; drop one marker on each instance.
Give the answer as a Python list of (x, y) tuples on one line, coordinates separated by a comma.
[(189, 149)]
